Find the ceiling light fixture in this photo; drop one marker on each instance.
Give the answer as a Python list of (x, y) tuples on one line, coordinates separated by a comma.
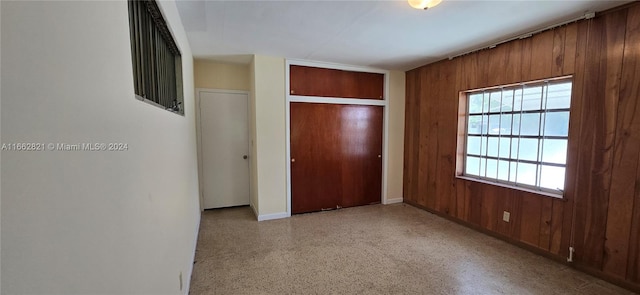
[(423, 4)]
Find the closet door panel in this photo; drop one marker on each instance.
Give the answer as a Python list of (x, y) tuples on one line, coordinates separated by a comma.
[(316, 181), (361, 130), (312, 81), (335, 156)]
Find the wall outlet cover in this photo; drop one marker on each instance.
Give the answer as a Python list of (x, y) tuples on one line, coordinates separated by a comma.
[(506, 216)]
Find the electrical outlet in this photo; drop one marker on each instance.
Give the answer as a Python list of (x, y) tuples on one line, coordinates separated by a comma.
[(506, 216)]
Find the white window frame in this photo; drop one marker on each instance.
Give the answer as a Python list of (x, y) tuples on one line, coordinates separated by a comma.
[(464, 116)]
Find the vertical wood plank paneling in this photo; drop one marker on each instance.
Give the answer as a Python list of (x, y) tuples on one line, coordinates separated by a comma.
[(516, 215), (416, 136), (513, 63), (460, 185), (541, 55), (497, 59), (557, 65), (447, 129), (625, 163), (432, 129), (570, 48), (607, 34), (530, 219), (474, 201), (600, 212), (435, 187), (633, 265), (425, 160), (575, 131), (546, 211), (469, 72), (556, 226), (409, 139), (460, 140), (408, 126), (630, 89), (461, 205), (417, 152), (526, 59), (488, 218), (590, 206), (592, 108), (505, 203), (481, 70)]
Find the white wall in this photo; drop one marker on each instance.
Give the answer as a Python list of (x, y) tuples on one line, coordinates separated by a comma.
[(268, 163), (396, 136), (0, 153), (91, 222)]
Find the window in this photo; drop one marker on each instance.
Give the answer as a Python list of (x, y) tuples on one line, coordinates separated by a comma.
[(517, 135), (157, 65)]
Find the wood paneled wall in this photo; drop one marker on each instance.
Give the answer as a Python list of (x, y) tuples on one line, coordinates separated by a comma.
[(600, 213)]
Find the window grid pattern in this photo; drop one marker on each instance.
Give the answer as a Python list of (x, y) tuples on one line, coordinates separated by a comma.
[(518, 135)]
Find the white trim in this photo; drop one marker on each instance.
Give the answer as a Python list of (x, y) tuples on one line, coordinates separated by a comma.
[(273, 216), (199, 133), (334, 100), (215, 90), (287, 133), (385, 139), (193, 257), (337, 100), (393, 201), (519, 187)]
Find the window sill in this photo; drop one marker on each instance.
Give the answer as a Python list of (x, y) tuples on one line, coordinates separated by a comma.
[(155, 104), (533, 191)]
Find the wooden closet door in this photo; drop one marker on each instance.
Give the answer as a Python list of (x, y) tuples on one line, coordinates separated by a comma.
[(322, 82), (361, 138), (316, 181), (335, 156)]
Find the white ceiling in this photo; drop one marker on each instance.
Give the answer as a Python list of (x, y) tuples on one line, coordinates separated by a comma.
[(382, 34)]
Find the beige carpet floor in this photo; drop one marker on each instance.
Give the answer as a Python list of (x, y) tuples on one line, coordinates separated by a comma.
[(377, 249)]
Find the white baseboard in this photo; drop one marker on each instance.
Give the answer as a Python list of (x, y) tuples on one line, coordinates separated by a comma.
[(193, 257), (393, 201), (273, 216)]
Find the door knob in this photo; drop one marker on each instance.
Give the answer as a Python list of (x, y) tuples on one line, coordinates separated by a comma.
[(379, 156), (245, 157), (293, 160)]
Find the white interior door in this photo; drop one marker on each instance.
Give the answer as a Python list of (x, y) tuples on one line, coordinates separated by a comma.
[(224, 139)]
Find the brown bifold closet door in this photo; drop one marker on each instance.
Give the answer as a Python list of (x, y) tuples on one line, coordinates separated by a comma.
[(336, 156)]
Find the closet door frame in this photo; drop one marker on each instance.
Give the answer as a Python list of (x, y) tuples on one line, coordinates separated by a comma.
[(384, 102)]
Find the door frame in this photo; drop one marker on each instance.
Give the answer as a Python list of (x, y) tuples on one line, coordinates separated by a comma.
[(336, 100), (199, 136)]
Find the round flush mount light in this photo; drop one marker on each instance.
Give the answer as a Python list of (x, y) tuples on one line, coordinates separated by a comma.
[(423, 4)]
